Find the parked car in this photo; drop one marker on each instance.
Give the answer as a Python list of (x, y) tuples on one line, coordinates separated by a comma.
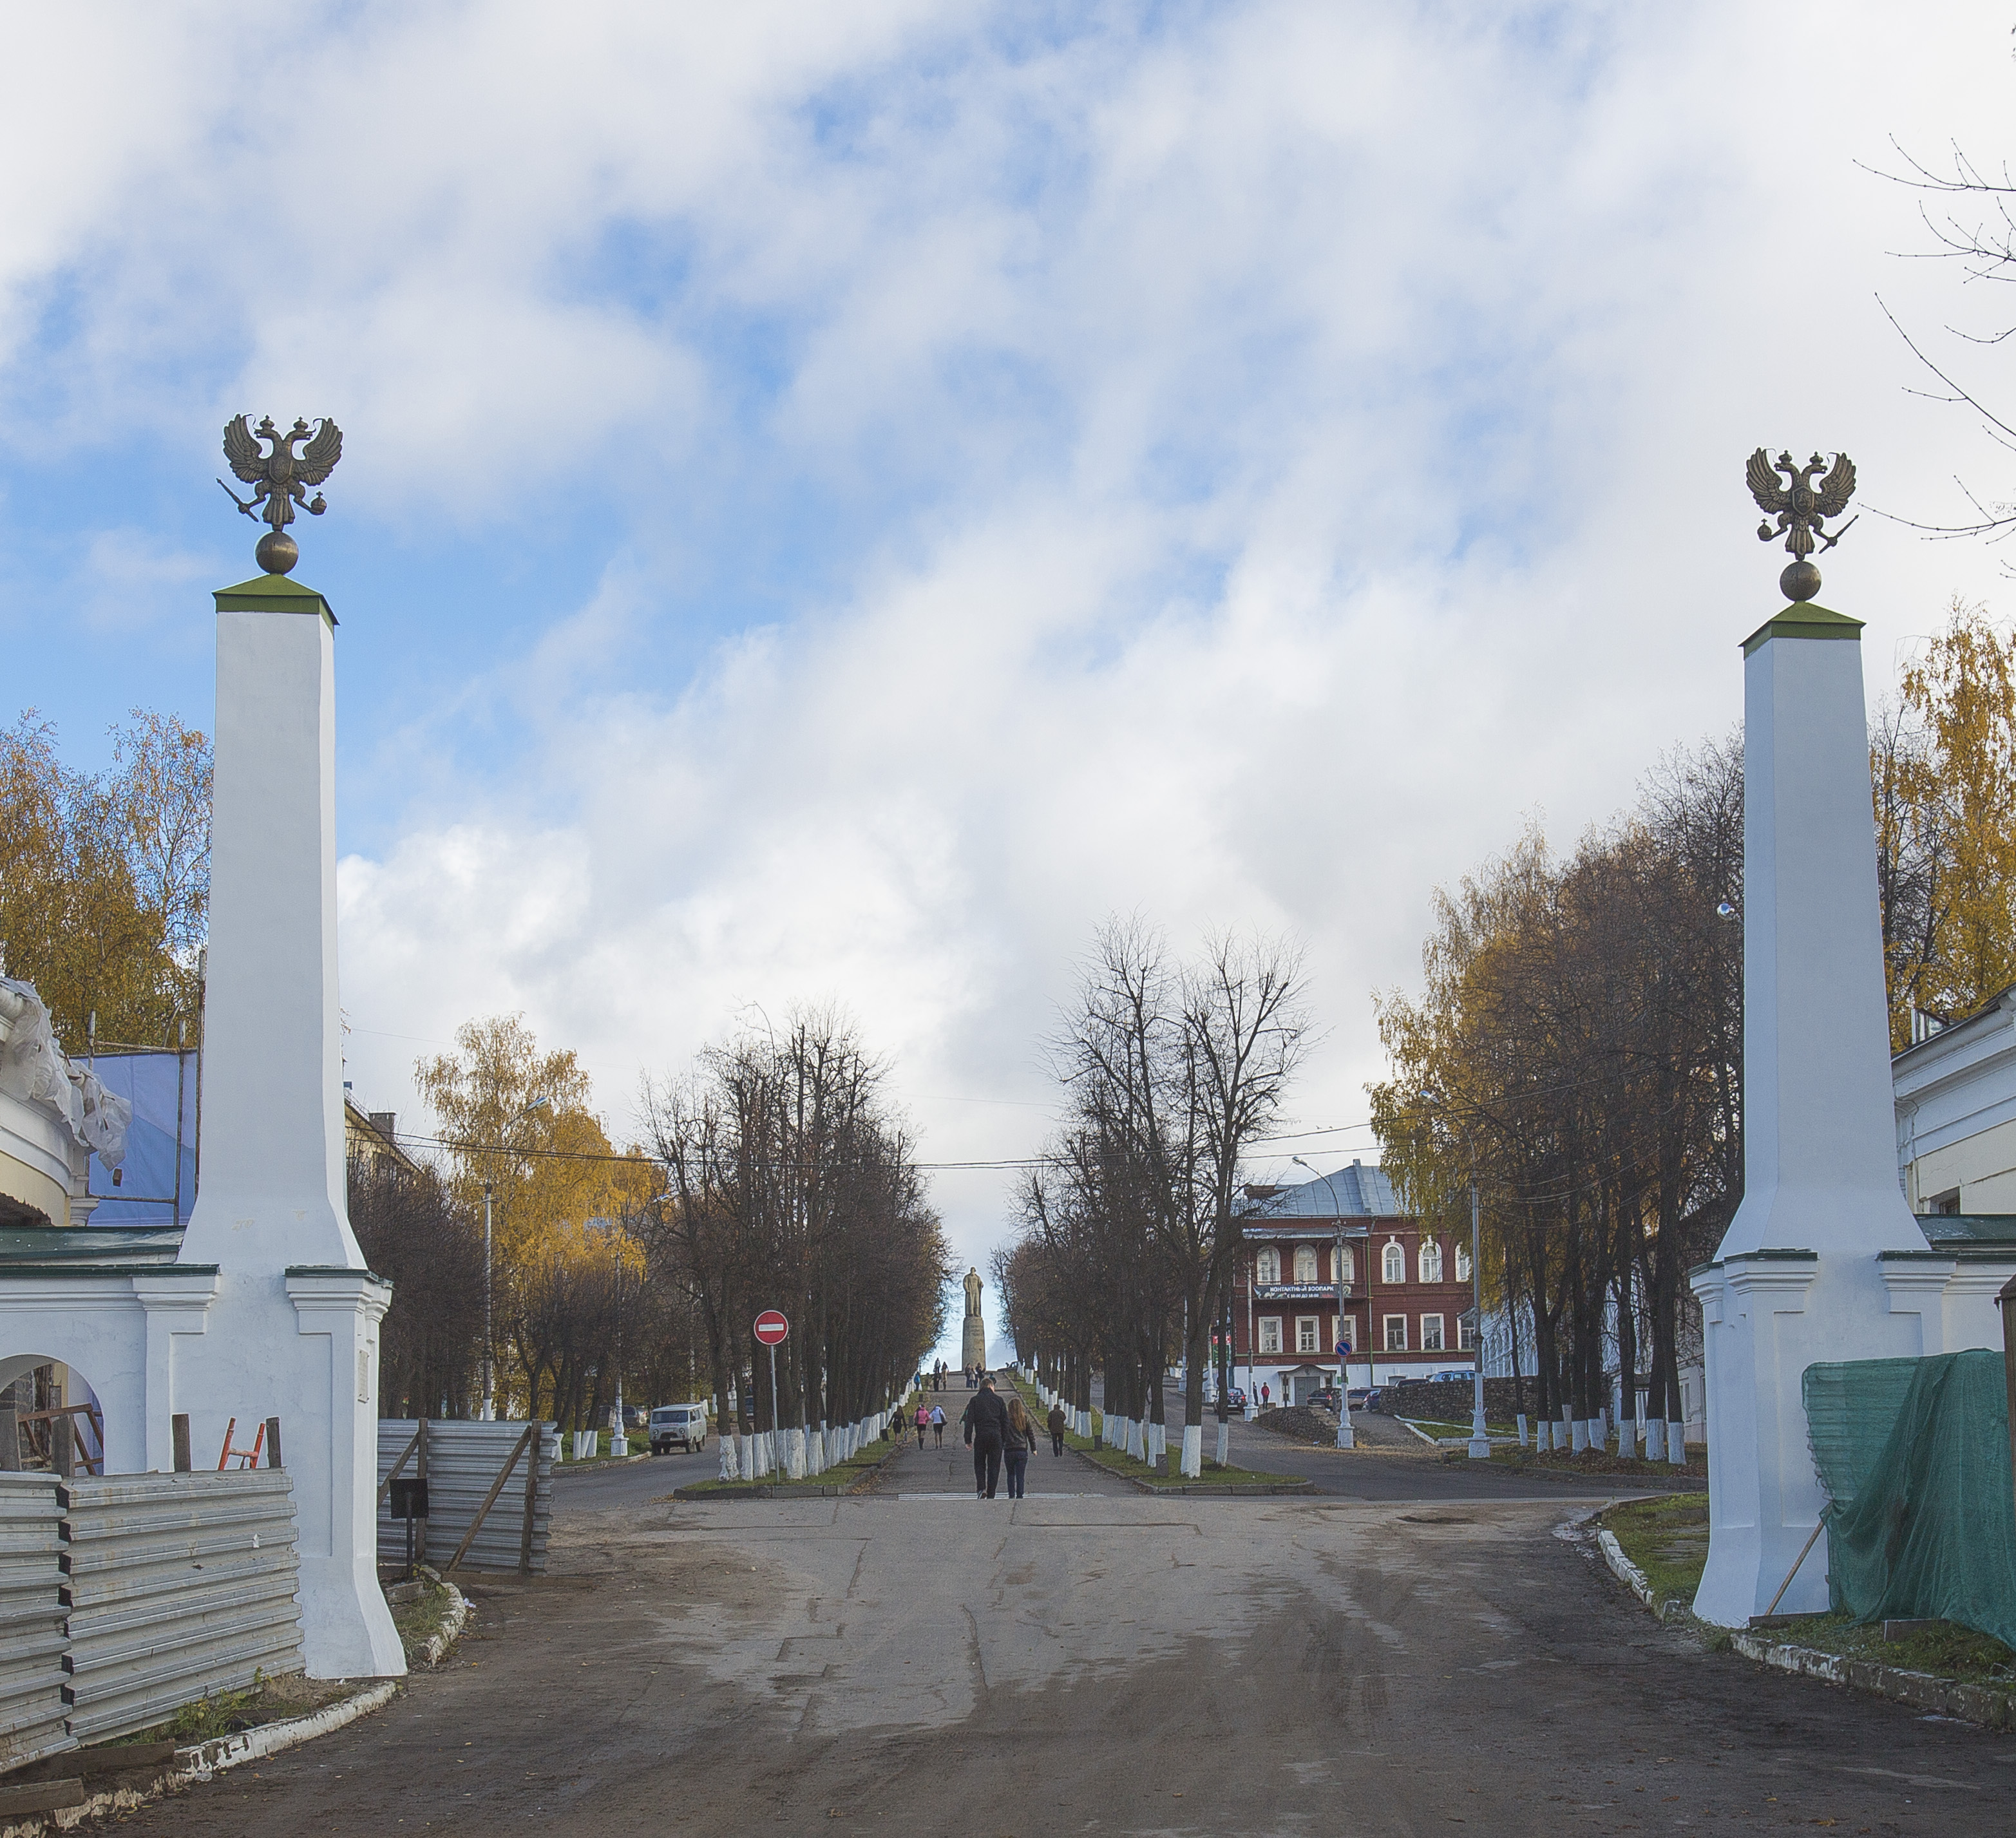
[(1461, 1377), (1235, 1399), (635, 1417), (1361, 1397), (682, 1424), (1326, 1398)]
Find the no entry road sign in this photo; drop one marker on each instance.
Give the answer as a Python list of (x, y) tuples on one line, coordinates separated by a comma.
[(772, 1327)]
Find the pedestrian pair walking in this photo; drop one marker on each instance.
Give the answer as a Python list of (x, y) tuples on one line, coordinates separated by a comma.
[(994, 1429)]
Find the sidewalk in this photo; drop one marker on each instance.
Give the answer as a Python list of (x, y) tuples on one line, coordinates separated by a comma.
[(947, 1472)]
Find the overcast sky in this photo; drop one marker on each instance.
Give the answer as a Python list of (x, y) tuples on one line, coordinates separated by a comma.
[(839, 499)]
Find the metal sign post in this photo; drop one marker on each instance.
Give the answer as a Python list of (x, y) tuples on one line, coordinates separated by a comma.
[(770, 1329)]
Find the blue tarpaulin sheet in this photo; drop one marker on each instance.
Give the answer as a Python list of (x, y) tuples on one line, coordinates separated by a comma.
[(157, 1085)]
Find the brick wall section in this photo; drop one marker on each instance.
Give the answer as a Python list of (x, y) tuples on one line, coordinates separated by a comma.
[(1450, 1401)]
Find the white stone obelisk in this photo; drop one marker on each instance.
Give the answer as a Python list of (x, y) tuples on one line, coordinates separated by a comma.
[(1798, 1276), (292, 1331)]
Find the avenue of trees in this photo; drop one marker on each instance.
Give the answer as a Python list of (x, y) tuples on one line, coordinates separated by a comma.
[(1577, 1040), (1577, 1049), (1129, 1226), (789, 1183), (775, 1174)]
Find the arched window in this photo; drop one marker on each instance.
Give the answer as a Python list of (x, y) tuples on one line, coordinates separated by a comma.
[(1270, 1265), (1393, 1263), (1462, 1262), (1305, 1263), (1430, 1261), (1344, 1264)]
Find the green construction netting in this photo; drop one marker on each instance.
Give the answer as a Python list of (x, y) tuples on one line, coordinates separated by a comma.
[(1914, 1456)]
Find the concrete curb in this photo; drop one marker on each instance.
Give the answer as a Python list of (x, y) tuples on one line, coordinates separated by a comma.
[(793, 1489), (788, 1490), (595, 1463), (435, 1647), (1922, 1691), (1634, 1579), (203, 1761)]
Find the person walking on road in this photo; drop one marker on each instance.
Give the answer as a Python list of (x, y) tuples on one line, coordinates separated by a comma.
[(986, 1421), (938, 1425), (924, 1423), (1021, 1441), (1058, 1420)]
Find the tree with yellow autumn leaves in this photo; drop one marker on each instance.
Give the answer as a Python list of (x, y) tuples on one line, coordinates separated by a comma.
[(1943, 763), (105, 878), (519, 1122)]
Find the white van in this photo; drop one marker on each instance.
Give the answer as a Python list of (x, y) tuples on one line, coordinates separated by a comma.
[(684, 1424)]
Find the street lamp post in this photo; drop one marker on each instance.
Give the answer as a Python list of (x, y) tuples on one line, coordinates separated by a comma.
[(489, 1411), (1480, 1433), (1479, 1436), (1347, 1437)]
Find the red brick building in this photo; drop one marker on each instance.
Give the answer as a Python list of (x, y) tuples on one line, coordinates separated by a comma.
[(1405, 1289)]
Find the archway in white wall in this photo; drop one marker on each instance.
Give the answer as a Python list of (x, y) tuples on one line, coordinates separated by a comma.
[(43, 1389)]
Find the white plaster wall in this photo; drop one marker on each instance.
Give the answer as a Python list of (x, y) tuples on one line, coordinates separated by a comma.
[(95, 1325)]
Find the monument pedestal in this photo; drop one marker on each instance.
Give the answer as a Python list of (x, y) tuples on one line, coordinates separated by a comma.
[(269, 1311), (1799, 1276)]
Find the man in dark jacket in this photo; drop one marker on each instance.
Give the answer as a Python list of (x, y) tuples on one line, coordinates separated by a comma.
[(1059, 1422), (986, 1421)]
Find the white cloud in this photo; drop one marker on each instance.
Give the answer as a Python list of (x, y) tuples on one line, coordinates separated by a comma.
[(1273, 447)]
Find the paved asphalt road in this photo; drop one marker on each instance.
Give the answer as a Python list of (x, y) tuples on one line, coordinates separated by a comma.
[(919, 1662)]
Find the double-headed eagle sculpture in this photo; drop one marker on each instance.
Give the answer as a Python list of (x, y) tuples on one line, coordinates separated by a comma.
[(279, 479), (1801, 508)]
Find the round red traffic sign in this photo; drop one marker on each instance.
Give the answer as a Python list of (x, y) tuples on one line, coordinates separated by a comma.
[(772, 1327)]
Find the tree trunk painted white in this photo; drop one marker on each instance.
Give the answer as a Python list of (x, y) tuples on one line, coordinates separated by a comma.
[(1522, 1428), (1193, 1450), (730, 1464), (1676, 1443), (1655, 1439), (1225, 1442), (794, 1454), (1578, 1430)]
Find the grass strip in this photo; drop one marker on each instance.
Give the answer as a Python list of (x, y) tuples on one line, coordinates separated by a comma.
[(1668, 1540)]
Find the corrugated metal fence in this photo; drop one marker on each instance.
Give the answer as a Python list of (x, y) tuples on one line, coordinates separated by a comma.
[(464, 1463), (31, 1620), (122, 1600), (180, 1586)]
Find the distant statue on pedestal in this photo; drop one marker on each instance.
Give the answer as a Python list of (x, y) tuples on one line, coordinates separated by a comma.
[(972, 1338)]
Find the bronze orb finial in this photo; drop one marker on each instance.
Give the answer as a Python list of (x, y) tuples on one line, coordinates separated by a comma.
[(1801, 580)]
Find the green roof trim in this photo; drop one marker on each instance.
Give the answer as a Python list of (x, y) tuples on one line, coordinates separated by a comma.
[(272, 593), (1807, 621), (65, 1273), (1957, 1230)]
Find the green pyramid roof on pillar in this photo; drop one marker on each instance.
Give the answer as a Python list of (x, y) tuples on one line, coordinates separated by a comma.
[(1804, 620), (272, 593)]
